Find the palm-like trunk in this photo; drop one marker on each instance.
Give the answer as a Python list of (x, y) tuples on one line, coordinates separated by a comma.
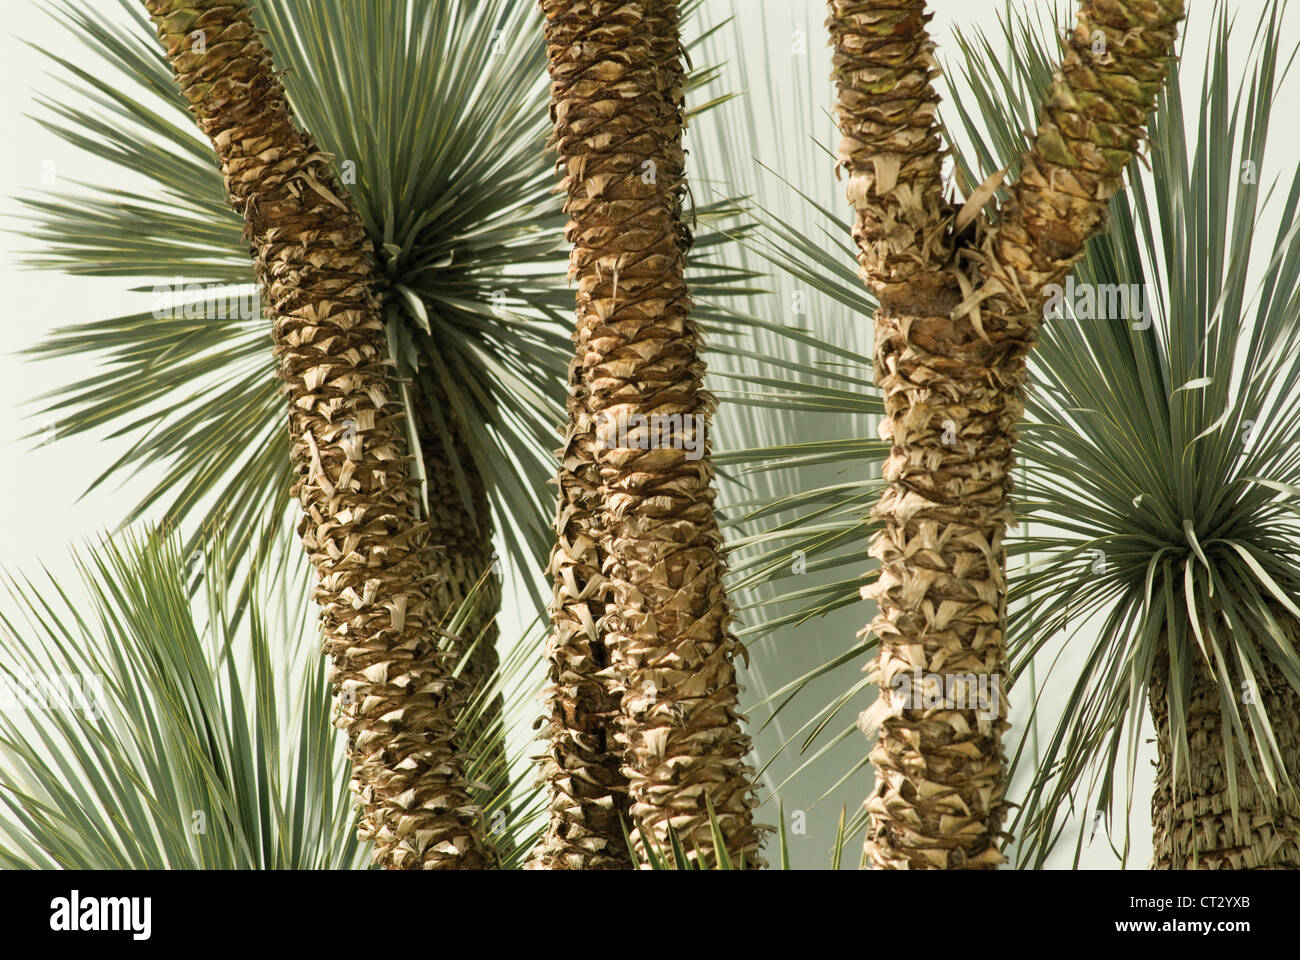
[(617, 108), (582, 767), (460, 536), (361, 523), (939, 774), (1193, 822), (957, 315)]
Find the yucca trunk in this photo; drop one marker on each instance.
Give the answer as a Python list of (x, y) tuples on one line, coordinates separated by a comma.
[(460, 537), (1193, 822), (361, 524), (582, 766), (617, 110), (958, 312)]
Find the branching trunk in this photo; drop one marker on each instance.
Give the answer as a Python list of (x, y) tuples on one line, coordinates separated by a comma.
[(958, 312), (1193, 822), (617, 108), (361, 524)]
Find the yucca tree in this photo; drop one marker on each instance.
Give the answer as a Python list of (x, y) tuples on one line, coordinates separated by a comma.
[(467, 322), (1102, 445), (420, 111), (1165, 472), (361, 526), (401, 144), (642, 615), (960, 305), (582, 766)]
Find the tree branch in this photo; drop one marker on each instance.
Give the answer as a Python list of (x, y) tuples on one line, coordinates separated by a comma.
[(1093, 119), (891, 147)]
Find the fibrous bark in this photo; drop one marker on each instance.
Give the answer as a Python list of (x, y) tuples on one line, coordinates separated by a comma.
[(361, 524), (1193, 822), (582, 766), (460, 537), (617, 110), (891, 148), (1093, 121), (958, 313)]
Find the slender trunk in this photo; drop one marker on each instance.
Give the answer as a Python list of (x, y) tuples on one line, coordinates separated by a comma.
[(950, 411), (460, 536), (361, 523), (1192, 819), (582, 767), (940, 773), (617, 108), (958, 313)]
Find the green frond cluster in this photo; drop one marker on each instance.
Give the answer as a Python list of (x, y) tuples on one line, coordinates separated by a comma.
[(195, 742)]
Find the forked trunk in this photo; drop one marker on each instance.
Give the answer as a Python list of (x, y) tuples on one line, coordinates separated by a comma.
[(617, 109), (959, 307), (1192, 819), (361, 524)]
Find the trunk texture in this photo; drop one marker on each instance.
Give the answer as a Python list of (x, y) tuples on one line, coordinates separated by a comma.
[(1192, 819), (582, 767), (361, 523), (958, 314), (938, 798), (461, 542), (617, 109)]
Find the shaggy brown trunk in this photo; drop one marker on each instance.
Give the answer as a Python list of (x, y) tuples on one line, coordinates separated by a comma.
[(959, 307), (617, 110), (582, 767), (1192, 819), (361, 524), (461, 541)]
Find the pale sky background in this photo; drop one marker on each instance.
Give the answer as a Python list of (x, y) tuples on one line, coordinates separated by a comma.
[(40, 514)]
